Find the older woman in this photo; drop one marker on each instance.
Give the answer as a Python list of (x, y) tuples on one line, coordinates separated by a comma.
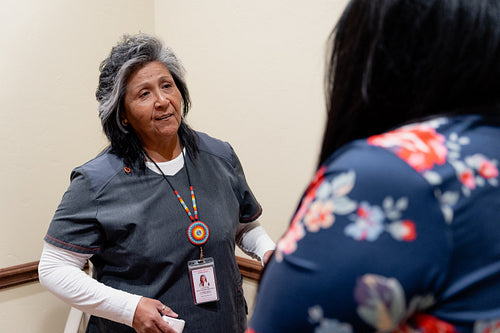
[(162, 204)]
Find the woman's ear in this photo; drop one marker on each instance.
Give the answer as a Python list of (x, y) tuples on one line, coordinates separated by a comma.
[(124, 120)]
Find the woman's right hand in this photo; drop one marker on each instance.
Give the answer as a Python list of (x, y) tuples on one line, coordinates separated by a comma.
[(148, 317)]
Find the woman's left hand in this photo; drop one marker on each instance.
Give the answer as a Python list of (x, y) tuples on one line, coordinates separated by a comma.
[(148, 317)]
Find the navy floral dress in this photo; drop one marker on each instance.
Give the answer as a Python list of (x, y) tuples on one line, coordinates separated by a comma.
[(399, 232)]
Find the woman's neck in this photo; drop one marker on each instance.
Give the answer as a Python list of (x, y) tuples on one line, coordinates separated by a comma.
[(164, 152)]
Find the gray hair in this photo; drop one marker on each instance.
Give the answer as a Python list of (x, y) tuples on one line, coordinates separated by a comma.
[(130, 54)]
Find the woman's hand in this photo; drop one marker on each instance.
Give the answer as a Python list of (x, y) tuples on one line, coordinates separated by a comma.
[(267, 256), (147, 317)]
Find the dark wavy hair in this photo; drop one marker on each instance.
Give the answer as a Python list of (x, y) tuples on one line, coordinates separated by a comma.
[(391, 62), (130, 54)]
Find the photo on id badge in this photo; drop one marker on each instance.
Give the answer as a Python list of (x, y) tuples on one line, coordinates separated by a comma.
[(203, 281)]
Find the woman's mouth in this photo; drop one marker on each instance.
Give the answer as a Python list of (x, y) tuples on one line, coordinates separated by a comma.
[(164, 117)]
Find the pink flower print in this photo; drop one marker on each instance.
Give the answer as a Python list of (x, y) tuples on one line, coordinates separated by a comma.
[(403, 230), (320, 215), (318, 177), (310, 195), (430, 324), (409, 233), (368, 223), (380, 300), (494, 329), (487, 326), (487, 169), (466, 177), (363, 212), (419, 145), (288, 243)]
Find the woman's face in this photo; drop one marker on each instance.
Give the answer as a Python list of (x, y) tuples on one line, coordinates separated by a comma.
[(153, 104)]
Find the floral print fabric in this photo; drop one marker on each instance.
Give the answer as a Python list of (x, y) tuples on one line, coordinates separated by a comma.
[(376, 242)]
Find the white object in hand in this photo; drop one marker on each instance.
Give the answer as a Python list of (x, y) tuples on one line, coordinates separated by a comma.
[(176, 324)]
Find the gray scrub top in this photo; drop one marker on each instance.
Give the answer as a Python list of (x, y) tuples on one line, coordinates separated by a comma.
[(136, 229)]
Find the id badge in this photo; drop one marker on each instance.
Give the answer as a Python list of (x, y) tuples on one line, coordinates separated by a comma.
[(203, 281)]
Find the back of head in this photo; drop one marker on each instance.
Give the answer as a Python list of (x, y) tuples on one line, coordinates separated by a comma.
[(394, 61)]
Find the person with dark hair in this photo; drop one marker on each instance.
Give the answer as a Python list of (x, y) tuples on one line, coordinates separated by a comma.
[(398, 231), (204, 282), (161, 202)]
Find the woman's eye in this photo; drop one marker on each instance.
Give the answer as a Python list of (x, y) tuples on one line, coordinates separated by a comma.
[(166, 85), (143, 93)]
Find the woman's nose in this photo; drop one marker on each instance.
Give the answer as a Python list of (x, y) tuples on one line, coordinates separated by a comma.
[(162, 101)]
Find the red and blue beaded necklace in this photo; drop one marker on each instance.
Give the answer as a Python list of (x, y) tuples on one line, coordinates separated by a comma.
[(197, 232)]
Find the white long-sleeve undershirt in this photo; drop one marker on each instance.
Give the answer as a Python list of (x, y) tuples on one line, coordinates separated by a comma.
[(60, 271), (252, 239)]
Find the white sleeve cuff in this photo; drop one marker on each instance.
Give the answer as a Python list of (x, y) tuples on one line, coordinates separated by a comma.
[(254, 240)]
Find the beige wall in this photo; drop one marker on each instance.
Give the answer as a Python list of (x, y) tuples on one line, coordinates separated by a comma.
[(255, 76)]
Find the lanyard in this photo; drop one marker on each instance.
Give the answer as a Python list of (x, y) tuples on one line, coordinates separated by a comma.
[(197, 231)]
